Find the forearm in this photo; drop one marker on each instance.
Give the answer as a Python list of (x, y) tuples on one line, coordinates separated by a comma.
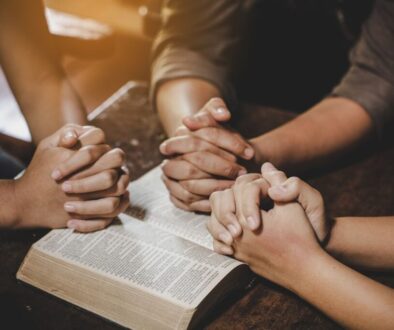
[(324, 132), (363, 242), (8, 207), (50, 106), (32, 66), (353, 300), (178, 98)]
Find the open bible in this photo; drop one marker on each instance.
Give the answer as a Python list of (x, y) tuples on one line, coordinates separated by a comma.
[(153, 269)]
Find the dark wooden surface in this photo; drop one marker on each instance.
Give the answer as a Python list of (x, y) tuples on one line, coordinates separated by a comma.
[(361, 188)]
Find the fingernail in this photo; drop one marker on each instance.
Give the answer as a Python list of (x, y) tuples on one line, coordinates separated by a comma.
[(163, 147), (70, 135), (242, 172), (69, 207), (56, 175), (253, 223), (71, 224), (268, 167), (248, 152), (221, 111), (164, 162), (233, 230), (226, 237), (66, 186)]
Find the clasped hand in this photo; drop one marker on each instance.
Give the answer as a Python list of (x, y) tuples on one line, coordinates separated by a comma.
[(203, 157), (73, 180), (276, 242)]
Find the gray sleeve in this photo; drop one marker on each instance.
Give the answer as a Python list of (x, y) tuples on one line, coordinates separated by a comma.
[(370, 79), (197, 39)]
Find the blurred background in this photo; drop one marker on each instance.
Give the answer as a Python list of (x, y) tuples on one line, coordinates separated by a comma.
[(104, 44)]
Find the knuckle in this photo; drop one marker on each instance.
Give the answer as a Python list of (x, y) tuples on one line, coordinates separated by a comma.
[(88, 153), (215, 101), (100, 134), (196, 143), (246, 178), (191, 171), (189, 185), (188, 197), (212, 133), (215, 196), (230, 171), (295, 182)]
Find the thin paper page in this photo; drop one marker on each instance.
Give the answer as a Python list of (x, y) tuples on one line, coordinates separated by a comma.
[(145, 257), (149, 197)]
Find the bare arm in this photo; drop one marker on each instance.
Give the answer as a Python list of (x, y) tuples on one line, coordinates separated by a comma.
[(8, 216), (365, 242), (352, 299), (193, 57), (289, 254), (326, 131), (182, 97), (32, 66)]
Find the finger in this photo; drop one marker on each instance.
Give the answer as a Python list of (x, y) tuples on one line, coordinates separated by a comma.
[(92, 136), (294, 189), (221, 248), (97, 182), (179, 169), (249, 208), (83, 157), (113, 159), (179, 192), (87, 226), (201, 206), (181, 130), (213, 164), (68, 138), (226, 140), (238, 189), (188, 143), (64, 137), (179, 204), (272, 174), (86, 135), (102, 206), (223, 209), (205, 187), (117, 189), (218, 231), (214, 111), (99, 209)]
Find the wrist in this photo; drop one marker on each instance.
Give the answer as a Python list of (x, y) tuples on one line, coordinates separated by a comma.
[(9, 213), (306, 270), (269, 148), (20, 203)]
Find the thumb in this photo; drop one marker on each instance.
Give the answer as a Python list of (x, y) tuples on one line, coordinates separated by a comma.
[(66, 137), (213, 112)]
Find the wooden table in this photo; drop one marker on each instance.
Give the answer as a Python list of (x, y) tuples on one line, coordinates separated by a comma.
[(362, 188)]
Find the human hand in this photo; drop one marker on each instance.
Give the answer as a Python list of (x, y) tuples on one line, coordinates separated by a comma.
[(97, 193), (240, 208), (277, 249), (282, 249), (204, 157)]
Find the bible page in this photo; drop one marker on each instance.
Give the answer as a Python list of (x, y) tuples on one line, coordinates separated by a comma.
[(150, 202), (145, 257)]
